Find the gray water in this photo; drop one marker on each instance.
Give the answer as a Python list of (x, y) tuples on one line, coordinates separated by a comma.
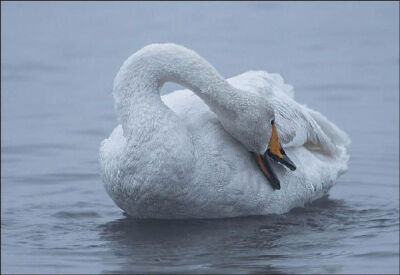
[(58, 61)]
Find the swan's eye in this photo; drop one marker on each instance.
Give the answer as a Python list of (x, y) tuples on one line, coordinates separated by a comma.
[(272, 121)]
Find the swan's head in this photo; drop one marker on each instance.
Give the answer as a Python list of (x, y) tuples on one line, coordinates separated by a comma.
[(253, 124), (250, 121)]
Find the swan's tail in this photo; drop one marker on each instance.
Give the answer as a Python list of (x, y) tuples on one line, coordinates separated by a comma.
[(337, 136)]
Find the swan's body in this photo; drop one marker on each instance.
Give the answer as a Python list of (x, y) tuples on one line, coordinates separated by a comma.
[(187, 155)]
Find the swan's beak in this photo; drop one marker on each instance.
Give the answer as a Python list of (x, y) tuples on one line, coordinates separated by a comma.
[(266, 168), (276, 153), (275, 150)]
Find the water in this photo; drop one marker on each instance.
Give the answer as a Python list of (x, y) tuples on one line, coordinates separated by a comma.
[(58, 62)]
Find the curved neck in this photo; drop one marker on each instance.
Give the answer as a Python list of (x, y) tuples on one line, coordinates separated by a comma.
[(143, 74)]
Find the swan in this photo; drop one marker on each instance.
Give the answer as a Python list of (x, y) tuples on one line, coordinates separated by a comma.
[(220, 148)]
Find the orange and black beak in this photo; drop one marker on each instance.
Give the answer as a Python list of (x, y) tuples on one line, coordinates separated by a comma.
[(276, 153)]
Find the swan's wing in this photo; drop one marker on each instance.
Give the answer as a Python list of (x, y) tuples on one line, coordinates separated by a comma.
[(297, 124)]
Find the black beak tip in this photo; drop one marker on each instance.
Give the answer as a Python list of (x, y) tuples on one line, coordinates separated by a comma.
[(291, 166), (276, 187), (275, 183), (284, 161), (288, 163)]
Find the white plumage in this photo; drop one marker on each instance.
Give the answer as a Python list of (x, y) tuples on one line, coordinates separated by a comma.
[(186, 154)]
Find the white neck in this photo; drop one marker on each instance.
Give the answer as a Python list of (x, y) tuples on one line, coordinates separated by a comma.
[(142, 75), (158, 143)]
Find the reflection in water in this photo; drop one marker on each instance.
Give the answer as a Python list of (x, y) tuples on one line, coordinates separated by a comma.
[(232, 245)]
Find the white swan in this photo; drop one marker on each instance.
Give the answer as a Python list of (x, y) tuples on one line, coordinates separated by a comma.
[(188, 154)]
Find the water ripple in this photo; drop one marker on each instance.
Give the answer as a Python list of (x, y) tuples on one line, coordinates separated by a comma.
[(76, 215)]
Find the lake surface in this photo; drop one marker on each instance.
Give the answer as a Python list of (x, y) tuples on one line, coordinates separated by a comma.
[(58, 61)]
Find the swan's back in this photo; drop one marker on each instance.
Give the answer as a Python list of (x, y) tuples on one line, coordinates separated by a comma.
[(315, 144)]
